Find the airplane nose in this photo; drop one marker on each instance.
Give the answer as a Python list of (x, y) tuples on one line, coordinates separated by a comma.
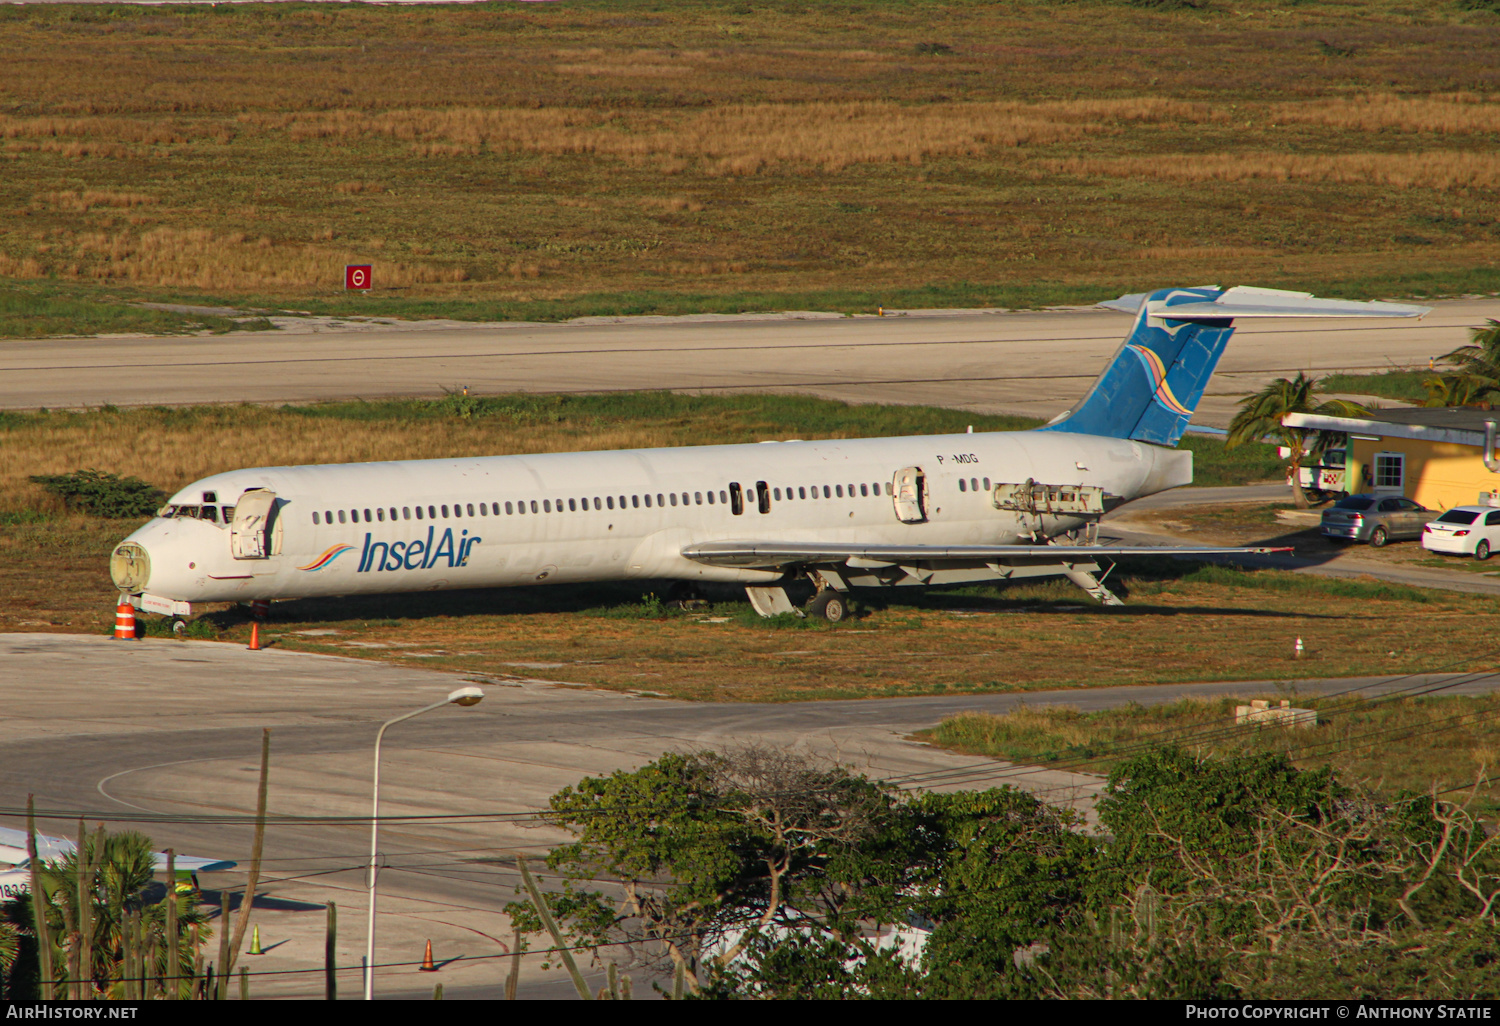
[(130, 566)]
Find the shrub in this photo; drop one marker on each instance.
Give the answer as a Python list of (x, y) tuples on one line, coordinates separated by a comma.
[(103, 494)]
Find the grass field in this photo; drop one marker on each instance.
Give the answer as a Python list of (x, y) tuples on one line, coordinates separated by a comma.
[(1396, 743), (589, 156)]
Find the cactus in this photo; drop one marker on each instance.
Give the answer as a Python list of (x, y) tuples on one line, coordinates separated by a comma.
[(173, 985), (330, 944), (545, 914), (39, 908), (513, 980)]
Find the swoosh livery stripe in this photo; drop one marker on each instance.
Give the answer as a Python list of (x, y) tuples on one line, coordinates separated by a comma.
[(327, 557), (1158, 375)]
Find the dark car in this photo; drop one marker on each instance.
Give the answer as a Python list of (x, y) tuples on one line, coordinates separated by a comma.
[(1376, 519)]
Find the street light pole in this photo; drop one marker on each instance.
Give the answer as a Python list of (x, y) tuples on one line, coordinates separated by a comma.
[(462, 697)]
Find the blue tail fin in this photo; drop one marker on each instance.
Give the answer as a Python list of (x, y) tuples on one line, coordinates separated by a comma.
[(1150, 389)]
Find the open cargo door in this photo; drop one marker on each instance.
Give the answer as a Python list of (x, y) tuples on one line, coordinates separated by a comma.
[(250, 531), (909, 495)]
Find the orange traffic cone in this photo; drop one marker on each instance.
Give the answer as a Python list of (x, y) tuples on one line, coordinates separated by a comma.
[(124, 621), (255, 637), (427, 965)]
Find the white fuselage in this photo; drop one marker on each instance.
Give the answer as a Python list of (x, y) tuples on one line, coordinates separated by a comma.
[(515, 520)]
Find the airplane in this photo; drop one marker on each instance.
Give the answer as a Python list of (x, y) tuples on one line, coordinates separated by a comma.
[(15, 882), (863, 513)]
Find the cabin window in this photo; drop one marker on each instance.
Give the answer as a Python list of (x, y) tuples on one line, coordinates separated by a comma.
[(546, 505), (393, 513), (211, 513), (484, 510), (776, 493), (597, 503), (864, 489), (851, 491), (469, 508), (609, 500), (986, 484), (888, 488), (510, 510), (973, 484), (648, 501), (674, 498), (685, 499), (962, 485), (801, 492), (445, 512), (432, 513), (839, 490), (710, 498), (826, 493), (635, 502), (380, 515), (369, 519), (419, 512), (315, 516), (328, 516), (660, 499), (341, 516), (572, 505), (405, 512), (458, 509), (697, 498), (533, 506)]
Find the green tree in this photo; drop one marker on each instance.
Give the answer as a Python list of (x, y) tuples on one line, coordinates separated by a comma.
[(1262, 413), (100, 920)]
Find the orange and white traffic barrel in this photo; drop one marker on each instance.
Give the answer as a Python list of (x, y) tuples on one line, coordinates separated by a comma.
[(124, 621)]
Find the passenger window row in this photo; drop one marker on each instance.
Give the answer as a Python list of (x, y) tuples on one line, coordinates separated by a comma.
[(524, 506), (972, 484)]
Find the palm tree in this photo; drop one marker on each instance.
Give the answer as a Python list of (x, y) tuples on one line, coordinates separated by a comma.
[(1261, 414), (93, 941), (1478, 376)]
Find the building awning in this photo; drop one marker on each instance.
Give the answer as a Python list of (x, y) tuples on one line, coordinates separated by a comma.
[(1386, 429)]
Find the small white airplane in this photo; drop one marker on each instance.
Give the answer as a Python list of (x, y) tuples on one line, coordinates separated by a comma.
[(15, 882), (878, 512)]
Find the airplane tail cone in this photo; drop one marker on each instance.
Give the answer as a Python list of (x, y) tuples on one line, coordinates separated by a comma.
[(255, 948), (124, 621), (428, 966), (255, 637)]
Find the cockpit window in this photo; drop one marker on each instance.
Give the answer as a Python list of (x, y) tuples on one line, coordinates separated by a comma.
[(211, 513)]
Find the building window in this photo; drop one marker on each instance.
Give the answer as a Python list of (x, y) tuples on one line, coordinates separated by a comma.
[(1390, 470)]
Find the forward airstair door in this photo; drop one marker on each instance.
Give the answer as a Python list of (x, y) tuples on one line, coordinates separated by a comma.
[(908, 495), (250, 531)]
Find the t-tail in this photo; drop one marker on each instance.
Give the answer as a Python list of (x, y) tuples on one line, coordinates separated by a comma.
[(1152, 386)]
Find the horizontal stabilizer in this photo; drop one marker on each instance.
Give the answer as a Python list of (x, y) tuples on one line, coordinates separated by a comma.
[(772, 555), (1247, 301)]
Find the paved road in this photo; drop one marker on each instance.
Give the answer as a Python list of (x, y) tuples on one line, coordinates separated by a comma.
[(1033, 363), (162, 729)]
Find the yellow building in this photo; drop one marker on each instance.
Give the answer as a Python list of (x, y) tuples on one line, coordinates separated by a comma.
[(1440, 457)]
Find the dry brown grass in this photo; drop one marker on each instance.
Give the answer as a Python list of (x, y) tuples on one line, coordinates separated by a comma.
[(1441, 114), (1442, 170), (86, 200), (199, 258)]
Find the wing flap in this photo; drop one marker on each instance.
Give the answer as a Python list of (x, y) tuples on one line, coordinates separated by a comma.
[(771, 555)]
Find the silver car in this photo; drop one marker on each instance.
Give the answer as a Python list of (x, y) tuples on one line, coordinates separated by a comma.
[(1376, 519)]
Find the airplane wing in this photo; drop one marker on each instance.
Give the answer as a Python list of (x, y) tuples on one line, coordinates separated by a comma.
[(773, 555), (13, 851)]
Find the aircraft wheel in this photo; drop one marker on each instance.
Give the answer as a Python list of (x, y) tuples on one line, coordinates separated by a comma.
[(830, 605), (686, 596), (178, 626), (1482, 550)]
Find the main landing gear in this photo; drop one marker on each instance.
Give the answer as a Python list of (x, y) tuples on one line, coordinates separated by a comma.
[(830, 605)]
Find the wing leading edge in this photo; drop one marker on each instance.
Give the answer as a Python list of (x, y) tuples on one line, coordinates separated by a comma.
[(774, 555)]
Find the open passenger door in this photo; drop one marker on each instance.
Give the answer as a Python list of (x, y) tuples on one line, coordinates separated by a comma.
[(909, 495), (250, 533)]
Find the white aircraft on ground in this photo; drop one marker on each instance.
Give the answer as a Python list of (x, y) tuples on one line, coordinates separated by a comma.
[(878, 512), (16, 881)]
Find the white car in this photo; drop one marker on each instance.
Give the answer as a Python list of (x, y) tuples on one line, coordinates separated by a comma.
[(1464, 531)]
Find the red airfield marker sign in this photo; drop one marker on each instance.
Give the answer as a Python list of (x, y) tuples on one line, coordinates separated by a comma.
[(357, 278)]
